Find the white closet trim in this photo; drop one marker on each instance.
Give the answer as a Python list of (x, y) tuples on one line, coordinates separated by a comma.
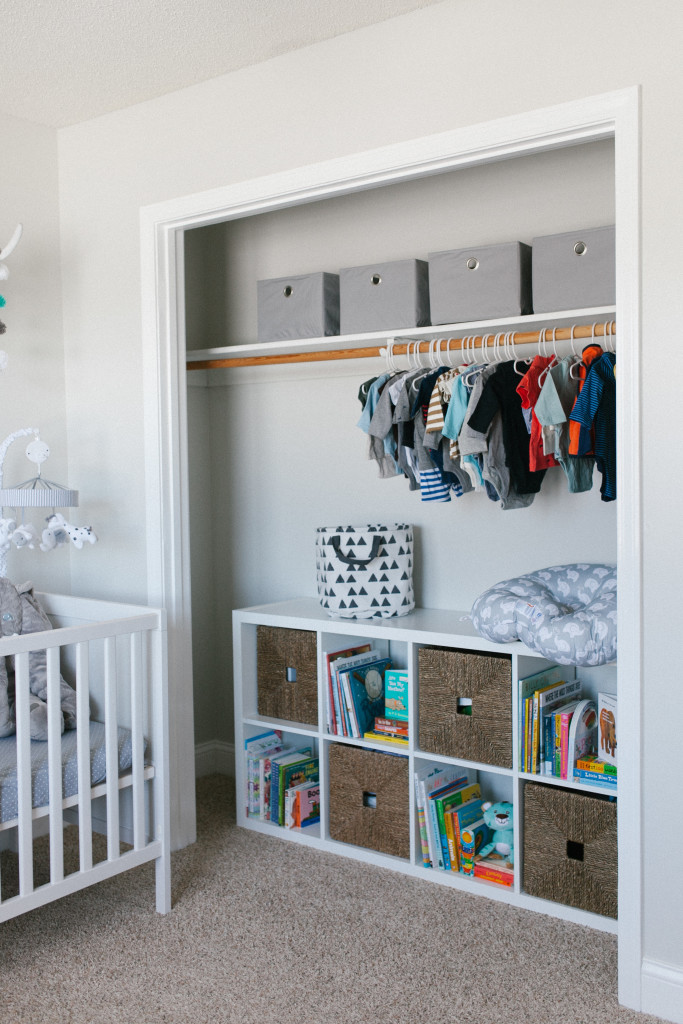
[(611, 115)]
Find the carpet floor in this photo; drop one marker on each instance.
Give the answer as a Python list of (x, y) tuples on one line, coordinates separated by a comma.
[(267, 932)]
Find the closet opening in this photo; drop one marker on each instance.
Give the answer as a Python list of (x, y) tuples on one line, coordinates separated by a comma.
[(274, 451)]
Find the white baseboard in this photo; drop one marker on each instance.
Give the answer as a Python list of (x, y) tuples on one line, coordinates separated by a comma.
[(214, 758), (662, 990)]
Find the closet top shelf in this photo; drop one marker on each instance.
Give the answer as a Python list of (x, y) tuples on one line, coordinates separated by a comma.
[(350, 346)]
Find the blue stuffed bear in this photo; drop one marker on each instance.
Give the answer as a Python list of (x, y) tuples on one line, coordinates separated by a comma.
[(498, 817)]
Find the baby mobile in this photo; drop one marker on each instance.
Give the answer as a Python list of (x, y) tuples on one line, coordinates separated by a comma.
[(4, 274), (37, 492)]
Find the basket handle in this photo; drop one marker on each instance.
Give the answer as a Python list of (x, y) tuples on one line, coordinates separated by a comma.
[(377, 542)]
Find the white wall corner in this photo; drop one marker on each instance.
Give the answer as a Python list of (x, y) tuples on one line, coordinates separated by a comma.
[(214, 758), (662, 990)]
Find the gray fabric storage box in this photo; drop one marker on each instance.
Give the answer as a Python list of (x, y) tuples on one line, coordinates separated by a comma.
[(384, 296), (480, 283), (574, 270), (303, 306)]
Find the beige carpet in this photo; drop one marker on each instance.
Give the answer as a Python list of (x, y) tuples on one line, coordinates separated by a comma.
[(267, 932)]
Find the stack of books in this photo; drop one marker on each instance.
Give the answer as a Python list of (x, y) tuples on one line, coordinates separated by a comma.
[(355, 689), (388, 730), (362, 690), (447, 803), (539, 696), (274, 770), (591, 769)]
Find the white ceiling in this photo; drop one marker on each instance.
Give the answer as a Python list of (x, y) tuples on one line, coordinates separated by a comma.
[(64, 61)]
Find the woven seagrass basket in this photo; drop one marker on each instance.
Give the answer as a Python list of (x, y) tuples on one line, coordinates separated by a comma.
[(480, 731), (570, 848), (369, 799), (287, 674)]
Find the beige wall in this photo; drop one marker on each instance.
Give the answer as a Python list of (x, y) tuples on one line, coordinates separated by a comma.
[(454, 64), (32, 386)]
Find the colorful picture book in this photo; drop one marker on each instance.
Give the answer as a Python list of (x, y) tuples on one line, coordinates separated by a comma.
[(302, 804), (472, 839), (491, 870), (254, 749), (355, 690), (607, 727), (383, 737), (396, 694), (428, 779), (459, 818), (335, 724), (539, 693), (283, 775), (363, 689), (582, 738), (593, 770)]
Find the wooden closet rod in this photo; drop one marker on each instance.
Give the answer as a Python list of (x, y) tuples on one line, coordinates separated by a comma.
[(578, 332)]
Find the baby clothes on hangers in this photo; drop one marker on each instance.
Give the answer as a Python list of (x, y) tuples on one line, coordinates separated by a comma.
[(588, 356), (529, 389), (499, 395), (555, 402), (439, 399), (596, 410)]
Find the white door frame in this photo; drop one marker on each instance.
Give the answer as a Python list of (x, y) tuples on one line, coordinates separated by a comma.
[(616, 115)]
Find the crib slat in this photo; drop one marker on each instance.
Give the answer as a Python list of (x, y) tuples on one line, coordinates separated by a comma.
[(24, 795), (54, 747), (111, 747), (136, 700), (83, 748)]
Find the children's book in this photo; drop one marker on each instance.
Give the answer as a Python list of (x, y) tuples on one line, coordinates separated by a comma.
[(277, 766), (548, 699), (334, 723), (392, 726), (343, 662), (437, 803), (597, 778), (309, 805), (254, 747), (385, 737), (592, 763), (396, 693), (472, 838), (264, 781), (527, 688), (366, 689), (583, 732), (294, 774), (305, 797), (427, 779), (494, 871), (459, 818), (607, 727), (563, 716)]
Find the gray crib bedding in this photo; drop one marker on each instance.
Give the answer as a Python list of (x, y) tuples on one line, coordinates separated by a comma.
[(39, 767)]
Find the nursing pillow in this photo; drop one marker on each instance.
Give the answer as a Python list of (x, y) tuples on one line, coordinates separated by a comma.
[(567, 613)]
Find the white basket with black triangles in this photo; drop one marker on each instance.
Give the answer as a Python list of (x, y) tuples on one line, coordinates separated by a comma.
[(365, 572)]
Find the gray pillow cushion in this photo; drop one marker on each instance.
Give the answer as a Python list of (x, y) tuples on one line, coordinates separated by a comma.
[(566, 612)]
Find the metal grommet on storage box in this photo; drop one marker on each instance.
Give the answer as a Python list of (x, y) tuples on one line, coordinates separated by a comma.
[(376, 279), (580, 248), (472, 263), (287, 291)]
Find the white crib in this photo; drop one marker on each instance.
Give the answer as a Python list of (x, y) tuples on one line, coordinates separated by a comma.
[(110, 774)]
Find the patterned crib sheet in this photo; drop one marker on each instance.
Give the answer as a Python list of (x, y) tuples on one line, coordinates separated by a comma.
[(39, 767)]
